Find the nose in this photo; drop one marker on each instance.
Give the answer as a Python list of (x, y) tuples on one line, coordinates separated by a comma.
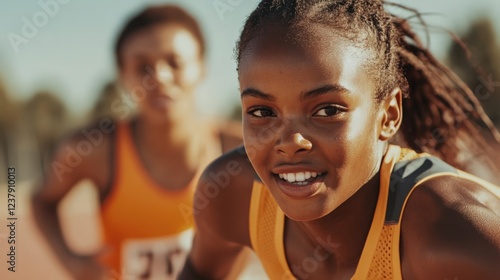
[(164, 73), (161, 73), (293, 143)]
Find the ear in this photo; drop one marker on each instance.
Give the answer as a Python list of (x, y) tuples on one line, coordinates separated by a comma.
[(392, 108)]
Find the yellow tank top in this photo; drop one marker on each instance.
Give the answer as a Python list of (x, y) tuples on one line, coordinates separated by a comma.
[(401, 172), (147, 229)]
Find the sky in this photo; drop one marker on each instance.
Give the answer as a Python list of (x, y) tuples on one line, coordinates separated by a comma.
[(66, 46)]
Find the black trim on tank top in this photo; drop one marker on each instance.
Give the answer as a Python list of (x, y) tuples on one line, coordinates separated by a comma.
[(112, 163), (405, 175)]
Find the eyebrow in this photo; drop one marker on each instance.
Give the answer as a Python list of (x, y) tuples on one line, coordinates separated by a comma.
[(331, 88), (140, 57), (257, 94)]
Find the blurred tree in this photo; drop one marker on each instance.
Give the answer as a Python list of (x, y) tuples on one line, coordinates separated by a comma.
[(4, 107), (104, 105), (8, 119), (47, 117), (480, 71)]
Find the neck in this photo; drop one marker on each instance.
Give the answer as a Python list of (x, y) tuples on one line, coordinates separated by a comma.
[(343, 232), (179, 137)]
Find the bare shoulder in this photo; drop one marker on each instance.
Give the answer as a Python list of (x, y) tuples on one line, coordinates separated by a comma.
[(222, 199), (450, 230), (221, 211), (85, 153)]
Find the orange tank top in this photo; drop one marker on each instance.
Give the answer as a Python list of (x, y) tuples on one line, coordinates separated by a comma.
[(147, 229), (401, 172)]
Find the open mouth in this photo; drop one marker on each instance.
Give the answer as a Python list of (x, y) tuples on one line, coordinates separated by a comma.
[(300, 178), (299, 185)]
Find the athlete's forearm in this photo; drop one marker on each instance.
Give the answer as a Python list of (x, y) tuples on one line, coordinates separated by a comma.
[(47, 221)]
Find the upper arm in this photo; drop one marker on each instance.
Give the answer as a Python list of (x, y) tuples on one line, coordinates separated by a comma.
[(221, 209), (75, 159), (450, 231)]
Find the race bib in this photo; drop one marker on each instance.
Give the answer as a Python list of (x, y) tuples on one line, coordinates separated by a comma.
[(155, 258)]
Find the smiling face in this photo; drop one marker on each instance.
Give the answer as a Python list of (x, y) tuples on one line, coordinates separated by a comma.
[(312, 128), (162, 66)]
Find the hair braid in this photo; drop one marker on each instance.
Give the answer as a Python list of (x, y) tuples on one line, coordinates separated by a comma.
[(446, 116), (441, 114)]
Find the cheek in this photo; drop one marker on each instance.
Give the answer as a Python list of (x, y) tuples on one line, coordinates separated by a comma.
[(251, 142), (362, 126), (130, 81), (259, 139), (191, 74), (362, 140)]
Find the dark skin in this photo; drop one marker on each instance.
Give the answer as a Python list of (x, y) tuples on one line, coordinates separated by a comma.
[(308, 106), (162, 67)]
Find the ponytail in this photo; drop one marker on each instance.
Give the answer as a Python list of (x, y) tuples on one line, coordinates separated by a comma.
[(442, 116)]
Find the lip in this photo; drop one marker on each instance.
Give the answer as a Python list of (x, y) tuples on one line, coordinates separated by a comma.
[(295, 168), (161, 101), (298, 191)]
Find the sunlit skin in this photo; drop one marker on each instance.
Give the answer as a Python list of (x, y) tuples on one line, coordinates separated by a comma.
[(309, 107), (162, 67), (317, 103)]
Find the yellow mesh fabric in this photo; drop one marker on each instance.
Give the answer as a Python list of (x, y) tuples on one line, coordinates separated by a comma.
[(268, 228), (381, 266), (407, 154), (266, 233)]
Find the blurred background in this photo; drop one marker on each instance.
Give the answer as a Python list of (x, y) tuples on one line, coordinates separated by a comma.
[(57, 74)]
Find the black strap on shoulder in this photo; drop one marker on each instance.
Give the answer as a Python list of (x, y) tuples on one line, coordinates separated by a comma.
[(405, 175), (113, 146)]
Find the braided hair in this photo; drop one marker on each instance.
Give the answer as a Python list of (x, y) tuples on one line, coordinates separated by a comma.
[(442, 115)]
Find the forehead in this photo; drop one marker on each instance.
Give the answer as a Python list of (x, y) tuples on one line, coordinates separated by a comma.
[(311, 54), (159, 39)]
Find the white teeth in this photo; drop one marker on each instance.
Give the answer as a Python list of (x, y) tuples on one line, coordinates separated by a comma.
[(298, 177)]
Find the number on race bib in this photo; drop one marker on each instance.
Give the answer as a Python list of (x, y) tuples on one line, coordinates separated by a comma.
[(158, 259)]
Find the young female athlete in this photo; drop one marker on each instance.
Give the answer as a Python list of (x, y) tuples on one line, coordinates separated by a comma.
[(145, 169), (318, 192)]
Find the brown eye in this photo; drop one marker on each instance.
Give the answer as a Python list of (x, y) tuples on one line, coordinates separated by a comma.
[(261, 113), (328, 111), (175, 62), (143, 69)]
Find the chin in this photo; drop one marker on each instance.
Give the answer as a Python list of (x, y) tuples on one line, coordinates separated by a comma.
[(304, 210), (301, 215)]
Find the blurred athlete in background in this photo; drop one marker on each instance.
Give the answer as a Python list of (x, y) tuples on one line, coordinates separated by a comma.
[(145, 169)]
